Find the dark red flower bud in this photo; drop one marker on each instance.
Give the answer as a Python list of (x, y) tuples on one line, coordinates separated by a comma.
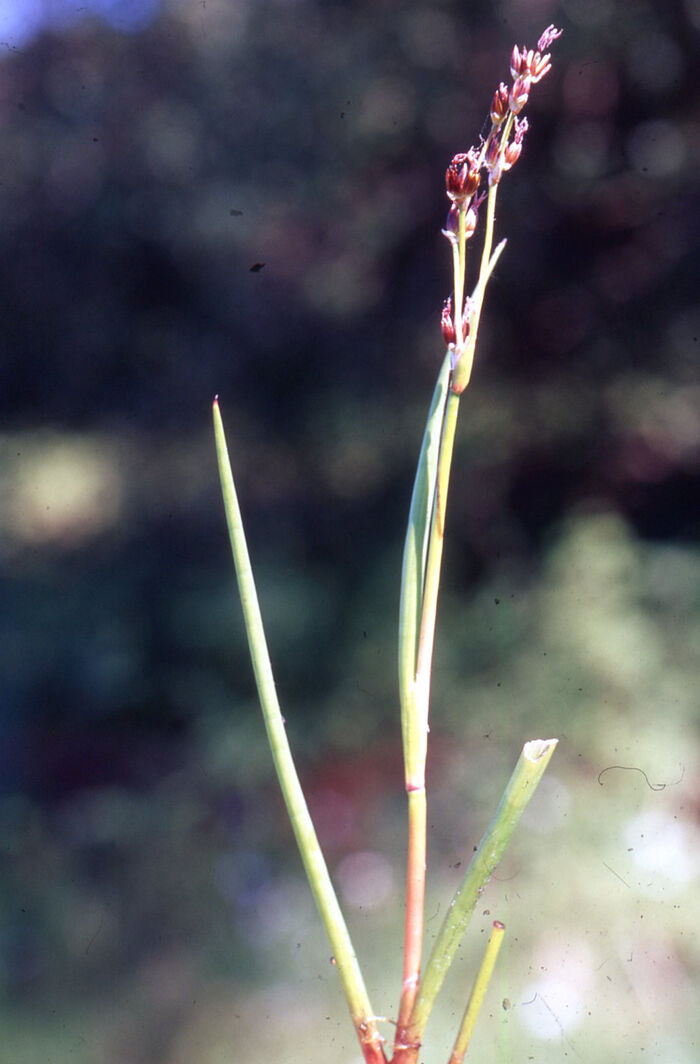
[(513, 150), (451, 229), (462, 177), (494, 162), (492, 151), (499, 104), (512, 154), (446, 324), (456, 177), (519, 93)]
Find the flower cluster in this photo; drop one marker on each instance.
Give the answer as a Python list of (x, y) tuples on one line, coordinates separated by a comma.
[(462, 177), (527, 67), (495, 155)]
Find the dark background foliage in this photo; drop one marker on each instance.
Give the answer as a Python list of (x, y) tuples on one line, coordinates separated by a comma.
[(245, 198)]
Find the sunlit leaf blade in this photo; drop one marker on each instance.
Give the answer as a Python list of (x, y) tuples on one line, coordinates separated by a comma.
[(311, 854), (414, 562)]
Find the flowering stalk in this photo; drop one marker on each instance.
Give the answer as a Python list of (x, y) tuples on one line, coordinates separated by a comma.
[(420, 581), (497, 154)]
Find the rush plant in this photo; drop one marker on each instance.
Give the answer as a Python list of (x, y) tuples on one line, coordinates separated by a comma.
[(473, 179)]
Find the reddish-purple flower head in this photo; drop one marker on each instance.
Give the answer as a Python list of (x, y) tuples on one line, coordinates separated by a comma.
[(499, 104), (462, 176), (526, 62)]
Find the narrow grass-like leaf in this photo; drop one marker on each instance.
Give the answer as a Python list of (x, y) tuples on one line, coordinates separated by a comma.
[(312, 857), (527, 774), (413, 572)]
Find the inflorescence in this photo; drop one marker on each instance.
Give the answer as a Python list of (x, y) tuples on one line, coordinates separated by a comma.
[(495, 154)]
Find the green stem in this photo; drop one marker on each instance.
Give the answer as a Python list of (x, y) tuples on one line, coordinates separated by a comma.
[(463, 369), (420, 570), (312, 857), (459, 264), (420, 587), (476, 998), (533, 761)]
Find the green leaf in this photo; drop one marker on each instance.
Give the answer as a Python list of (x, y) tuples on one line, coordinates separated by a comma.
[(414, 563), (307, 840), (528, 772)]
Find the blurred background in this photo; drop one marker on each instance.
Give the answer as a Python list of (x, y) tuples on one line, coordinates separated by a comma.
[(245, 197)]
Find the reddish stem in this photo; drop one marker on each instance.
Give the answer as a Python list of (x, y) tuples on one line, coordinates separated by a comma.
[(415, 899), (371, 1045)]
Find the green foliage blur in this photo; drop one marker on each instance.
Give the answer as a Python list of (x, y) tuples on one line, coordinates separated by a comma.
[(245, 197)]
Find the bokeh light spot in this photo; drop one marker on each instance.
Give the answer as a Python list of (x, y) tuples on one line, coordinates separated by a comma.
[(23, 20), (62, 491), (657, 148), (366, 879)]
